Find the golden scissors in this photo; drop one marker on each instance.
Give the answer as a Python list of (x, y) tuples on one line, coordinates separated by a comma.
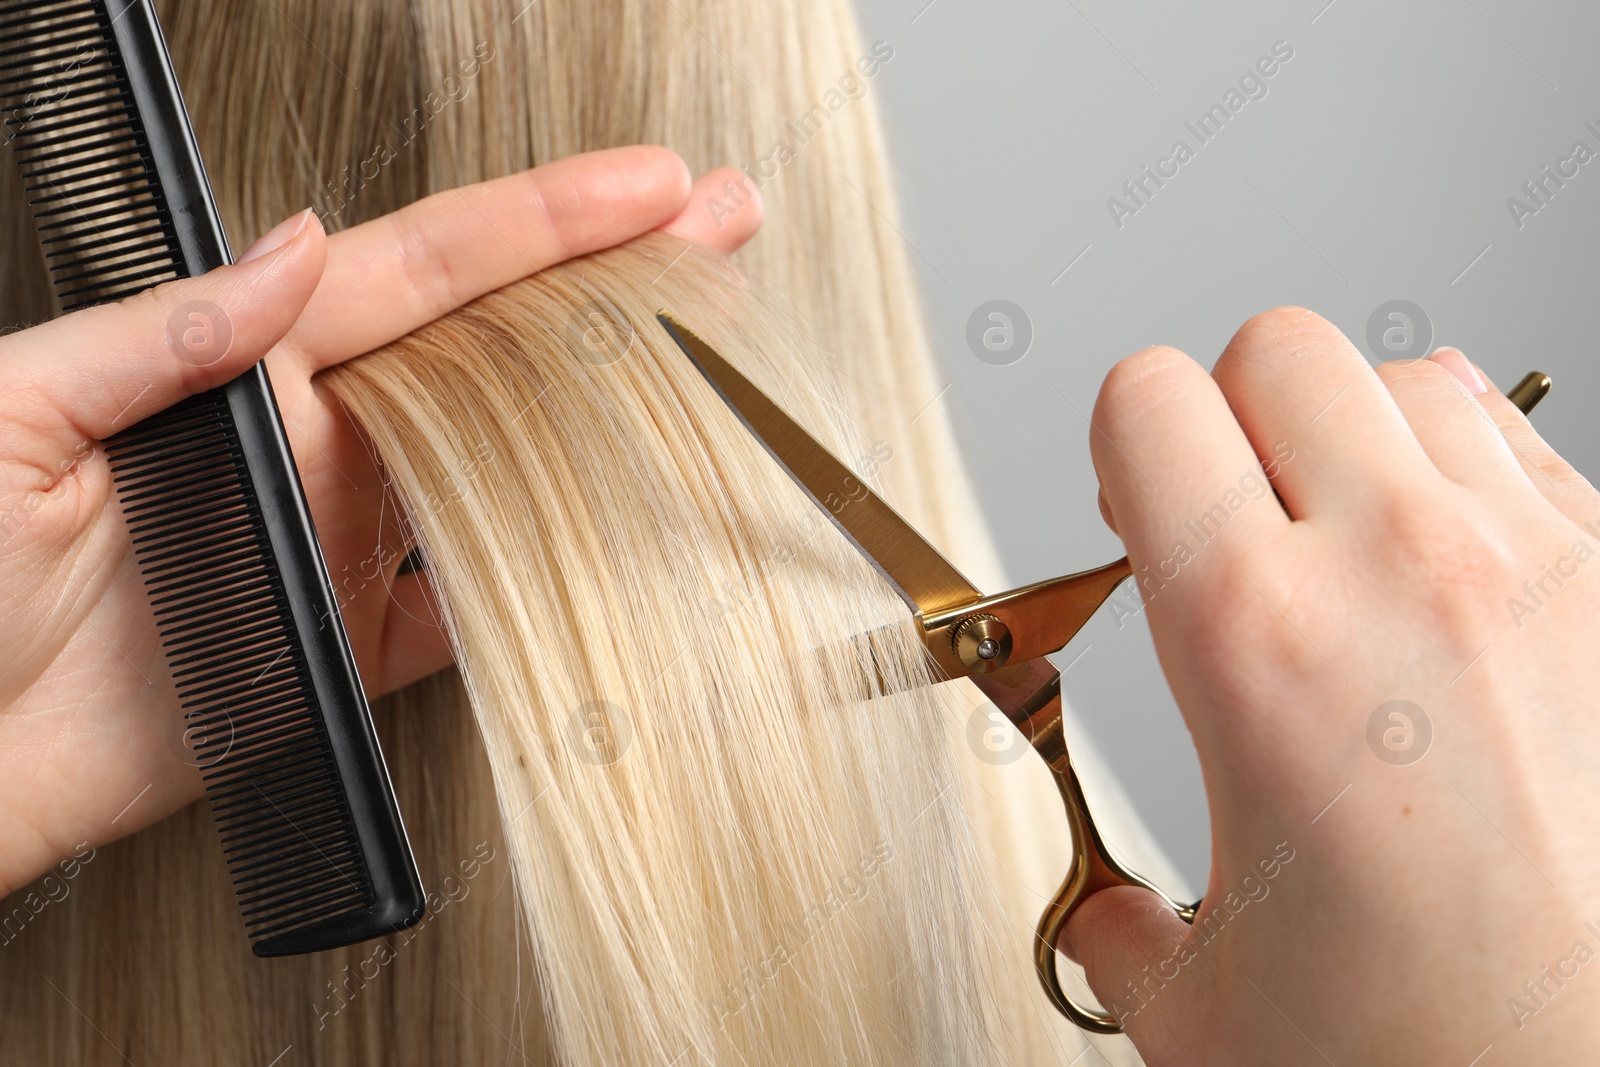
[(998, 641)]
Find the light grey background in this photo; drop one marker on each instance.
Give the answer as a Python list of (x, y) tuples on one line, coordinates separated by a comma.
[(1377, 167)]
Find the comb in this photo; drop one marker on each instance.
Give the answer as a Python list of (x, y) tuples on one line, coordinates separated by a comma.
[(248, 619)]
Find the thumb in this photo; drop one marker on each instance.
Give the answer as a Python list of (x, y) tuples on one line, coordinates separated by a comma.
[(1131, 944), (88, 374)]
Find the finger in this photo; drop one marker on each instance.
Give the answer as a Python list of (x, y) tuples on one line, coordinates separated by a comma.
[(392, 275), (724, 211), (1452, 427), (1294, 381), (1174, 465), (415, 641), (1551, 475), (1127, 939), (91, 373)]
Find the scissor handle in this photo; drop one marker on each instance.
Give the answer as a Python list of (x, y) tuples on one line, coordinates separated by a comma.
[(1093, 869)]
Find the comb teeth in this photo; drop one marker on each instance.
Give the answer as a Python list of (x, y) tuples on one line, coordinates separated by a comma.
[(86, 165), (254, 723), (247, 616)]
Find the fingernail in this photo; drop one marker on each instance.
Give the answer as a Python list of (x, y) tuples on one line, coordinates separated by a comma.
[(279, 235), (1454, 361)]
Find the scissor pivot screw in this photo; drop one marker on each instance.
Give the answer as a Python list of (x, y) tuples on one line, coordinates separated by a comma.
[(982, 643)]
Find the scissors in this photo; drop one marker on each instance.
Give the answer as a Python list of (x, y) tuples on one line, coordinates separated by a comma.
[(999, 641)]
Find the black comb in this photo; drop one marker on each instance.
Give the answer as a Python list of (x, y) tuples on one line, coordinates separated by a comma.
[(248, 617)]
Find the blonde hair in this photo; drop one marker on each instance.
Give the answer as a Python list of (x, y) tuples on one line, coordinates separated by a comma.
[(367, 106), (727, 839)]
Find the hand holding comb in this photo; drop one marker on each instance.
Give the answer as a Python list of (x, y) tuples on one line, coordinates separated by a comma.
[(220, 525)]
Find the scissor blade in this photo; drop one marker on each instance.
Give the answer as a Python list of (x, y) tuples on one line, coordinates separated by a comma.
[(922, 576)]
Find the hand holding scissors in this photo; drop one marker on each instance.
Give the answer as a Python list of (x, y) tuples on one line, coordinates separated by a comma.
[(1425, 552)]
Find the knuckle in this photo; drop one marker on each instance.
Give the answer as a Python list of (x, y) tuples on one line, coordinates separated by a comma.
[(145, 304), (1287, 323), (558, 202), (1140, 381), (1270, 332), (431, 277), (1457, 569), (1242, 588), (1252, 612), (1147, 363), (1231, 591)]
